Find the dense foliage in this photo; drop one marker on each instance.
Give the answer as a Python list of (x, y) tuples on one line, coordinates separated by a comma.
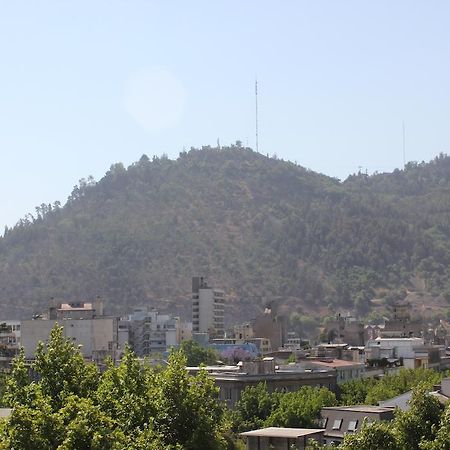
[(196, 354), (423, 426), (261, 227), (371, 391), (257, 408), (131, 406)]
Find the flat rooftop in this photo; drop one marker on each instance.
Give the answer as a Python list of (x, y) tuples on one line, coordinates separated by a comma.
[(291, 433), (360, 408), (335, 363), (75, 307)]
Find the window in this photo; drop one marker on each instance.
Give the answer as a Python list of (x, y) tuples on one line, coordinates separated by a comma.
[(323, 422), (352, 425), (227, 393), (337, 424)]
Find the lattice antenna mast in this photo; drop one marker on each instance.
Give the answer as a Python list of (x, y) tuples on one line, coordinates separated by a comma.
[(404, 144), (256, 114)]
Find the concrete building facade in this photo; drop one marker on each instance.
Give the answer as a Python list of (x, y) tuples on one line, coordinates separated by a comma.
[(150, 332), (411, 353), (96, 334), (231, 383), (97, 337), (207, 309)]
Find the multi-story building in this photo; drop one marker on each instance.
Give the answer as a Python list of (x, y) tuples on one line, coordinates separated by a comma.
[(232, 380), (243, 331), (345, 329), (96, 334), (151, 332), (207, 309), (271, 326), (411, 353), (9, 343)]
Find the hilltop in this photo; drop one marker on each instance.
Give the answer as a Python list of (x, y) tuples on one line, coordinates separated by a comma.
[(264, 229)]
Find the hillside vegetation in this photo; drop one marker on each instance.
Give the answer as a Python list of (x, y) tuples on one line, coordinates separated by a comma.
[(264, 229)]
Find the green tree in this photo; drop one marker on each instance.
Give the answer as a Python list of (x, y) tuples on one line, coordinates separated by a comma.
[(62, 369), (418, 424), (130, 407), (374, 436), (442, 438), (125, 393), (253, 408), (300, 409), (86, 427), (18, 390), (196, 354), (355, 392), (188, 409), (406, 379), (32, 427)]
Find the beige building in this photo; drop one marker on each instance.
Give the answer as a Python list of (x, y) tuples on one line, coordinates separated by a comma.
[(207, 309), (243, 331), (96, 335), (270, 326)]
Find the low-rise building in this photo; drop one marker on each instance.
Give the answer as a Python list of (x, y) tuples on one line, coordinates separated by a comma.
[(274, 438), (345, 370), (231, 383), (345, 329), (262, 344), (97, 335), (340, 420), (407, 352)]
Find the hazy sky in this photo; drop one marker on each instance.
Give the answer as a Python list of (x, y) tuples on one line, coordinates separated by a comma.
[(84, 84)]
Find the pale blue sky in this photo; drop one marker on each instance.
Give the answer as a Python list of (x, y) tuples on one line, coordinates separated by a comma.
[(84, 84)]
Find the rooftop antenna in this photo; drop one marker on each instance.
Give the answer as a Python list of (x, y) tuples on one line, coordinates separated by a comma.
[(256, 113), (404, 144)]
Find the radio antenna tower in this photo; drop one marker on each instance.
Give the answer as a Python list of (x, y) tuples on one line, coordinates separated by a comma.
[(256, 113), (404, 144)]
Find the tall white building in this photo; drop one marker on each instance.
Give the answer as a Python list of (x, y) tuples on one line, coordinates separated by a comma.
[(207, 309)]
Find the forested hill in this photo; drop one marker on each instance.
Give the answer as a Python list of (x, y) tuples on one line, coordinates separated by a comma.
[(263, 229)]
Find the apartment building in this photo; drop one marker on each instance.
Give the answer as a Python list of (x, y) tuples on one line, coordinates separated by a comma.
[(151, 332), (97, 335), (207, 309)]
